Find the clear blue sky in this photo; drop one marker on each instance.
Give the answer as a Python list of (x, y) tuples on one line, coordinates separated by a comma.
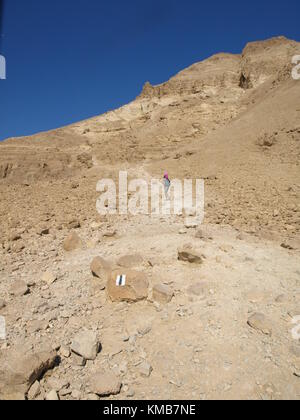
[(70, 60)]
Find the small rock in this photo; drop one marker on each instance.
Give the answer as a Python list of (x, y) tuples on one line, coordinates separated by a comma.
[(49, 278), (92, 397), (162, 293), (295, 349), (259, 322), (43, 230), (109, 233), (73, 224), (65, 351), (76, 394), (14, 237), (281, 299), (86, 344), (34, 391), (19, 288), (2, 304), (145, 369), (52, 396), (105, 384), (100, 267), (130, 261), (77, 360), (130, 393), (72, 242), (187, 253)]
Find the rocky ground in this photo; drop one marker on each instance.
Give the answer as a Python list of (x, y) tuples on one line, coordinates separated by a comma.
[(216, 323), (207, 312)]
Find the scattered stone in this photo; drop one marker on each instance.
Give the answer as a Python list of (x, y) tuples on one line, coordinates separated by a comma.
[(64, 392), (130, 261), (281, 299), (92, 397), (153, 262), (130, 393), (295, 349), (73, 224), (143, 330), (65, 351), (19, 288), (2, 304), (34, 391), (57, 384), (188, 254), (287, 246), (76, 394), (259, 322), (297, 369), (14, 237), (52, 396), (86, 344), (72, 242), (135, 288), (42, 231), (105, 384), (109, 233), (162, 293), (77, 360), (49, 278), (100, 267), (200, 289), (145, 369)]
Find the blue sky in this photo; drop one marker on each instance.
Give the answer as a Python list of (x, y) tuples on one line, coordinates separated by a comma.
[(70, 60)]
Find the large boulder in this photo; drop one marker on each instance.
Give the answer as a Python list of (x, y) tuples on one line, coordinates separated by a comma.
[(18, 372), (135, 287), (86, 344), (72, 242)]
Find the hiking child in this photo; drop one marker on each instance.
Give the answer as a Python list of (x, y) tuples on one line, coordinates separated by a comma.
[(167, 184)]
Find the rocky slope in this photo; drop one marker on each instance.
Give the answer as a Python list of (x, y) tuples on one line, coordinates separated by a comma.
[(227, 313)]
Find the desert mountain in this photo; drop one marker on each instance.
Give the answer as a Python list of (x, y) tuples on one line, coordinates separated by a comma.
[(224, 295)]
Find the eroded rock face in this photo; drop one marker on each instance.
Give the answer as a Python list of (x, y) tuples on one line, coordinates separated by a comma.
[(18, 372), (135, 288)]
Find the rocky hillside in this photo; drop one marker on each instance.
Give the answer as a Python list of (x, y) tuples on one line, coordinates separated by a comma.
[(224, 295)]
